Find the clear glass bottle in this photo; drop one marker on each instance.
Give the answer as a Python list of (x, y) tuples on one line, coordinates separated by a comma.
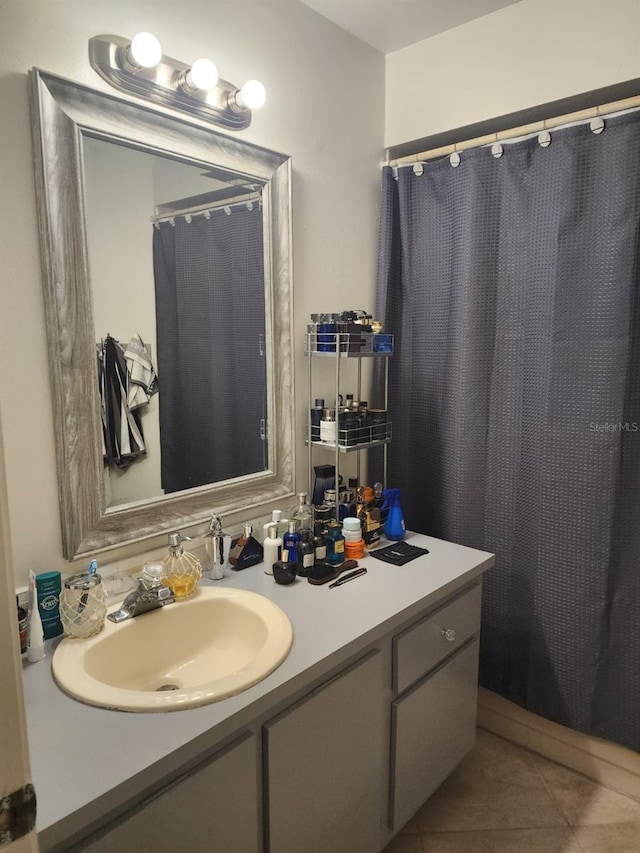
[(302, 513), (182, 570)]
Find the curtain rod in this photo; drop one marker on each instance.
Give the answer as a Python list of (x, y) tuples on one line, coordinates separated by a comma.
[(199, 210), (523, 130)]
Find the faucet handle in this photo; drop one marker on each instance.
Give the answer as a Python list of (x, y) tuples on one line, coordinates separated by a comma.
[(152, 575)]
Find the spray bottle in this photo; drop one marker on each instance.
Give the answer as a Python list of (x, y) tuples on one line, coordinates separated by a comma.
[(394, 528)]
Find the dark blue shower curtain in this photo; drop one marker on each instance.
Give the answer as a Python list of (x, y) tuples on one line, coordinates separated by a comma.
[(210, 322), (511, 285)]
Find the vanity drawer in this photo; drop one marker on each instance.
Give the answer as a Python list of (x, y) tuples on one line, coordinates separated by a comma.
[(423, 646)]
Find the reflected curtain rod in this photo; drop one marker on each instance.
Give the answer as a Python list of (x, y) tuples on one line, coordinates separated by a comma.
[(513, 133), (200, 210)]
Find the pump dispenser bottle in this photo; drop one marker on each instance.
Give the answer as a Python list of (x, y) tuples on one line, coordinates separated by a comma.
[(217, 545), (182, 570)]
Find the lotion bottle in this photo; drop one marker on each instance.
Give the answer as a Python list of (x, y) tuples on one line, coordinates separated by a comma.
[(272, 548)]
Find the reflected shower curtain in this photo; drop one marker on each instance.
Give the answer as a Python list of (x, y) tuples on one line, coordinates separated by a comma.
[(210, 321), (512, 287)]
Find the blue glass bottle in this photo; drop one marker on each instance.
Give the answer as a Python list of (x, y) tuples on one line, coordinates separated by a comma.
[(335, 544), (290, 542)]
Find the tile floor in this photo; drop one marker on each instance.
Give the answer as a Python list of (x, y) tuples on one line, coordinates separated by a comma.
[(505, 799)]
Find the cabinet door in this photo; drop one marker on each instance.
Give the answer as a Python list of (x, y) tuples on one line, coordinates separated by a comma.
[(433, 726), (323, 768), (214, 808)]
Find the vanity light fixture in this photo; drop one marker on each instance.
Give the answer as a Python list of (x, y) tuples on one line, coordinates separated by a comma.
[(139, 67)]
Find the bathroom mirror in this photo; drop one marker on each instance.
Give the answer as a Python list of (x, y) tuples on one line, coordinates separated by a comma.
[(76, 129)]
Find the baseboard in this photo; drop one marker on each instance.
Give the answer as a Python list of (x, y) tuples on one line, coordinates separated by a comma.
[(607, 763)]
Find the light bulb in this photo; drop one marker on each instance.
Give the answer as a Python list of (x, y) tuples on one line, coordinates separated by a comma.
[(145, 50), (252, 95), (203, 74)]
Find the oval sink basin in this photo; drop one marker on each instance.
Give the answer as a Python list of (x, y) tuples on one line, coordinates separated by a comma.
[(214, 644)]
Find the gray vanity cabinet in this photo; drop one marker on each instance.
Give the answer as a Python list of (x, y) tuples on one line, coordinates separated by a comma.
[(323, 768), (433, 718), (212, 808)]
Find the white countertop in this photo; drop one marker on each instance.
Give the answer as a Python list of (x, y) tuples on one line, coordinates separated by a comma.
[(80, 753)]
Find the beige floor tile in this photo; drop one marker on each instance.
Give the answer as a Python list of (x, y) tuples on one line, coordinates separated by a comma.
[(584, 802), (503, 841), (496, 787), (409, 843), (410, 828), (610, 838)]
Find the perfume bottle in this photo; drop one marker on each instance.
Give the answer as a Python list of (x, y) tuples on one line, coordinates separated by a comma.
[(290, 542), (306, 553), (302, 513), (335, 544), (182, 570), (247, 551)]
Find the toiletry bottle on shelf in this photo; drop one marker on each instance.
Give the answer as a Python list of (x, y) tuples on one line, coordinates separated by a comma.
[(182, 570), (247, 551), (328, 428), (335, 544), (217, 546), (272, 546), (290, 542), (316, 416)]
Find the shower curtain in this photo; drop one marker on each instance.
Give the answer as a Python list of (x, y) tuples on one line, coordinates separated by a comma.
[(511, 285), (210, 323)]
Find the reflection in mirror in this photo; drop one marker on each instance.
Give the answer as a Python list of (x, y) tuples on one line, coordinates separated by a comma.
[(177, 262), (218, 329)]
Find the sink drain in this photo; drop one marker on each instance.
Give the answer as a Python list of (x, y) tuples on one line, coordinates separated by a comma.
[(164, 687)]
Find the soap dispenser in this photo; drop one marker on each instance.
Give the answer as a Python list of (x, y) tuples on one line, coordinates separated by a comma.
[(217, 546), (182, 570)]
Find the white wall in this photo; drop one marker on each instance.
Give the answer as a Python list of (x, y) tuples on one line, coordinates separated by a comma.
[(325, 107), (524, 55), (119, 201)]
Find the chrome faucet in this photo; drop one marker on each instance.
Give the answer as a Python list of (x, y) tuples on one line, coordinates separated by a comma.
[(150, 594)]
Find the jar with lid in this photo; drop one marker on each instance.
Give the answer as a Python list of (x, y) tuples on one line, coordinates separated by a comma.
[(83, 605)]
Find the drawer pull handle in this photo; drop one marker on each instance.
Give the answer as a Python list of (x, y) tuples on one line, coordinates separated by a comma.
[(449, 634)]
